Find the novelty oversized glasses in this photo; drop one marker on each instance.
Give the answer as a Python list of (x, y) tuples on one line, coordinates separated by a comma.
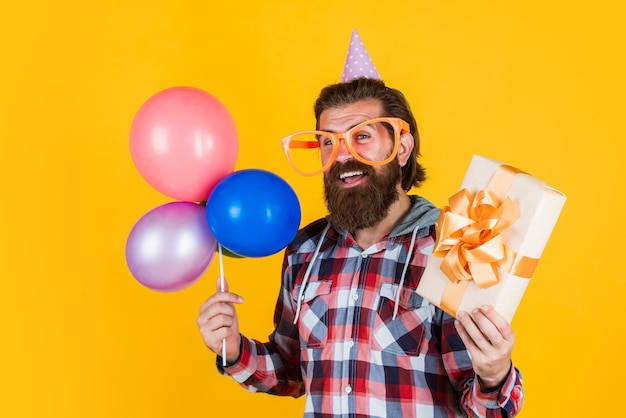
[(313, 152)]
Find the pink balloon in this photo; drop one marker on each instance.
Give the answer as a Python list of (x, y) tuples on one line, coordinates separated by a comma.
[(183, 141), (171, 246)]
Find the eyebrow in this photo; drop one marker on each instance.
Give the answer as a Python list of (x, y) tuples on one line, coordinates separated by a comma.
[(334, 132)]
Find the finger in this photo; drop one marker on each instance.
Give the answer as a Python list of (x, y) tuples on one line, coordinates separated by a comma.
[(488, 329), (217, 321), (213, 313), (495, 329), (465, 337), (220, 298), (503, 326), (217, 308), (214, 338), (473, 331)]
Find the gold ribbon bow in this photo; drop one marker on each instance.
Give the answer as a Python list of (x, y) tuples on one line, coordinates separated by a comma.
[(468, 236), (469, 240)]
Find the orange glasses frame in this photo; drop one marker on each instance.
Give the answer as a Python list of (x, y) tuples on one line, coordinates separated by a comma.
[(399, 127)]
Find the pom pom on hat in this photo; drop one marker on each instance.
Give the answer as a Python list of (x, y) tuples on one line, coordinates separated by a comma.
[(358, 62)]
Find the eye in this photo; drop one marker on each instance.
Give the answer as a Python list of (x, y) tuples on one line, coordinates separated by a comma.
[(324, 141), (362, 136)]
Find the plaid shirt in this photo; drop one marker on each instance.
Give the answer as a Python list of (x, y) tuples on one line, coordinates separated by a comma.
[(347, 353)]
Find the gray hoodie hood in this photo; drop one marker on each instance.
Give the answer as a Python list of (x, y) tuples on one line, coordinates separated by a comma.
[(422, 212)]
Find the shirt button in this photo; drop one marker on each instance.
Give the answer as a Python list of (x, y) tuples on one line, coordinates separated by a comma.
[(350, 343), (348, 389), (355, 296), (364, 255)]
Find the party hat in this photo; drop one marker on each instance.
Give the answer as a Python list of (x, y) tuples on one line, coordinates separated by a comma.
[(358, 62)]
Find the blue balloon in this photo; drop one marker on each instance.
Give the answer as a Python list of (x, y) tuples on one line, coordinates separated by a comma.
[(253, 213)]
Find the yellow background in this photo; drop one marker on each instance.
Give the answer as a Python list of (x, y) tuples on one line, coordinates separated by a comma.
[(538, 84)]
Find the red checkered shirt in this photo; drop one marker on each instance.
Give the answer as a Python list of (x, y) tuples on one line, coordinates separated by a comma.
[(347, 352)]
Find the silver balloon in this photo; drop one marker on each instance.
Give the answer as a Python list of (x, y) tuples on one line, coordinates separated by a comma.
[(171, 246)]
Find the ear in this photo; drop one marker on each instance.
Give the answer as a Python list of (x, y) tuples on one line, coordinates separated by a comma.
[(406, 147)]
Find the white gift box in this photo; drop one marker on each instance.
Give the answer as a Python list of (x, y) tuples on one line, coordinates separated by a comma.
[(539, 207)]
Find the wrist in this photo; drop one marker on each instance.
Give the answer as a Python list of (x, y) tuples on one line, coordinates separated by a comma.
[(233, 358), (494, 383), (488, 386)]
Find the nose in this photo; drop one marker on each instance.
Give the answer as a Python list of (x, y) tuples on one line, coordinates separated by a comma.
[(343, 154)]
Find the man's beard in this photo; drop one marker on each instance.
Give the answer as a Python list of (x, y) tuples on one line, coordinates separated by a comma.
[(364, 205)]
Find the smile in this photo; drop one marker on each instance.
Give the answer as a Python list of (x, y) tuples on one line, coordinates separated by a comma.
[(350, 175)]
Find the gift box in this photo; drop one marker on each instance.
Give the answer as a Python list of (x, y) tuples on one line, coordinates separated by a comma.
[(489, 239)]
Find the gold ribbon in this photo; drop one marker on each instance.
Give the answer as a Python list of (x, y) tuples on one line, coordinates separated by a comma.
[(469, 240)]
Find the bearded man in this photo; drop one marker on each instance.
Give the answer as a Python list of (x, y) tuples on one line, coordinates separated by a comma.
[(350, 332)]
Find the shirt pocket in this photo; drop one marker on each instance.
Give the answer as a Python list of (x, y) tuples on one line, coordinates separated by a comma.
[(313, 319), (404, 334)]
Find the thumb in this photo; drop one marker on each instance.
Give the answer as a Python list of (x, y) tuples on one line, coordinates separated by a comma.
[(218, 285)]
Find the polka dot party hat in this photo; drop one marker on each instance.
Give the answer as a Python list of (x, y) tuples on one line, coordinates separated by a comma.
[(358, 62)]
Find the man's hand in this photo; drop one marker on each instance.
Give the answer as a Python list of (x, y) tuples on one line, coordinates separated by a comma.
[(218, 320), (489, 339)]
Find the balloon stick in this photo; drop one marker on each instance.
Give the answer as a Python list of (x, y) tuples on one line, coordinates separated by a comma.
[(222, 288)]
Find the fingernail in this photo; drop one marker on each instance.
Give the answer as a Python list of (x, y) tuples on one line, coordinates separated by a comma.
[(461, 314), (484, 308)]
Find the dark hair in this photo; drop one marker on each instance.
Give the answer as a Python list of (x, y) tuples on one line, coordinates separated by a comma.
[(394, 104)]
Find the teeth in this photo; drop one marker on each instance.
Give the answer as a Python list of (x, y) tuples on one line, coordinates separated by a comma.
[(343, 176)]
